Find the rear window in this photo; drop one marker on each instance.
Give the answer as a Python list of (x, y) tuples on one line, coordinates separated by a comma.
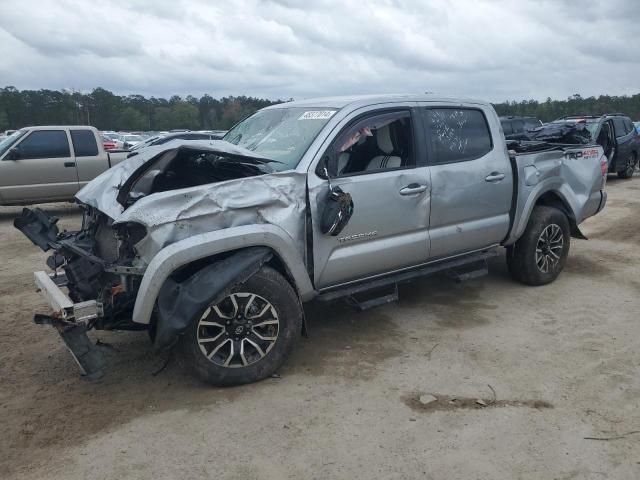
[(84, 143), (45, 144), (457, 134)]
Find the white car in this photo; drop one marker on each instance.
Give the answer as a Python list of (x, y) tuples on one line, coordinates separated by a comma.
[(130, 140)]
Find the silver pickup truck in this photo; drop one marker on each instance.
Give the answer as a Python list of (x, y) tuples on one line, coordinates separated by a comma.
[(215, 248), (51, 163)]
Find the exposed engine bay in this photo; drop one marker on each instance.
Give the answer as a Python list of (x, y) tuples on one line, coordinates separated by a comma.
[(93, 263)]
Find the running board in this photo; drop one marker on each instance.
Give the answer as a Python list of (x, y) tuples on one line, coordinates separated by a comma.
[(469, 272), (376, 298), (368, 286)]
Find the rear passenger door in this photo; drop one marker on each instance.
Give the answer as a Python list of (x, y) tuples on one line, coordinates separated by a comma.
[(90, 161), (43, 169), (471, 180)]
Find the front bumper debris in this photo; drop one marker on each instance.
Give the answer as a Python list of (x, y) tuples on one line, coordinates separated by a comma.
[(71, 320)]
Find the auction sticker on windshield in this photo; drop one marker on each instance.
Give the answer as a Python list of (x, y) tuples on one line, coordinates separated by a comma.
[(317, 115)]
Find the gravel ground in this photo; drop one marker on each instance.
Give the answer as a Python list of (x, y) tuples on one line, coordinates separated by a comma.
[(552, 365)]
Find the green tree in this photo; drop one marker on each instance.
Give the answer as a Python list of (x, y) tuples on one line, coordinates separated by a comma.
[(131, 119), (185, 115), (162, 118)]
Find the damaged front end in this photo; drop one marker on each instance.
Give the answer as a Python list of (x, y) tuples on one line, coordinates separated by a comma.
[(132, 212), (95, 266)]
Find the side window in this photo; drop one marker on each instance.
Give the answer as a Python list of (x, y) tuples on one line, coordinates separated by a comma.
[(628, 125), (84, 143), (45, 144), (518, 126), (618, 125), (530, 125), (506, 127), (380, 142), (458, 135)]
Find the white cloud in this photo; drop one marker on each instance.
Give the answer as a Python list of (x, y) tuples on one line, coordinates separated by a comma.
[(489, 49)]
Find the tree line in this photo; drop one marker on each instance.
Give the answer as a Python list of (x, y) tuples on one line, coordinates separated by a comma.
[(108, 111), (574, 105)]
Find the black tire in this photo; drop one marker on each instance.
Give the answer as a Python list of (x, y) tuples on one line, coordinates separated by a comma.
[(523, 258), (629, 168), (269, 286)]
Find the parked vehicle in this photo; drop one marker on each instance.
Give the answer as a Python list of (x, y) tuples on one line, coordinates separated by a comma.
[(115, 138), (215, 247), (515, 128), (50, 164), (130, 140), (616, 134), (108, 144), (637, 125)]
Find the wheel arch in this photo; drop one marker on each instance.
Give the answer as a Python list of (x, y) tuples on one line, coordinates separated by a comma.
[(550, 195), (204, 249), (556, 200)]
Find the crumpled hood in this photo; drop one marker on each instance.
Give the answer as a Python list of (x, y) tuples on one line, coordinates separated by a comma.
[(102, 191), (277, 198)]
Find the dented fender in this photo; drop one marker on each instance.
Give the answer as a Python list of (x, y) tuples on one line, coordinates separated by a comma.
[(186, 251)]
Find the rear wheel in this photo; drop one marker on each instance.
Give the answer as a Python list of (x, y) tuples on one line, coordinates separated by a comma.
[(629, 168), (246, 336), (539, 256)]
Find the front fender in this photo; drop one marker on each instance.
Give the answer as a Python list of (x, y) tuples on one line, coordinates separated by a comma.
[(186, 251)]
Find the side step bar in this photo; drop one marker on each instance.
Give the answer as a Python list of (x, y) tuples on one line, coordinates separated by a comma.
[(476, 264), (375, 299)]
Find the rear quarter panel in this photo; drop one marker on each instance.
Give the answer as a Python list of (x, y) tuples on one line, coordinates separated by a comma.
[(574, 175)]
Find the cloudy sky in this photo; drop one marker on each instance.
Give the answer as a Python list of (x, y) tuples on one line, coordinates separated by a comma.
[(490, 49)]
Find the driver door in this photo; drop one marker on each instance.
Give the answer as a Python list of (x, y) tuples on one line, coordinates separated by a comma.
[(381, 165)]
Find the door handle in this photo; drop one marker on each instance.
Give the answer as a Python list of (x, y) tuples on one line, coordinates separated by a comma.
[(494, 177), (69, 164), (413, 189)]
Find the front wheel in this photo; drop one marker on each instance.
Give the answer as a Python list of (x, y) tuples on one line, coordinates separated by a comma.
[(538, 257), (247, 335)]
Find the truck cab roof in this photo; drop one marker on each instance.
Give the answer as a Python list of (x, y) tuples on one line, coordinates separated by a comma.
[(356, 101)]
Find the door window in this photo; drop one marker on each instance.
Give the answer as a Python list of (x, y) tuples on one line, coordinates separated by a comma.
[(530, 125), (518, 126), (628, 125), (84, 143), (376, 143), (45, 144), (458, 134), (618, 125)]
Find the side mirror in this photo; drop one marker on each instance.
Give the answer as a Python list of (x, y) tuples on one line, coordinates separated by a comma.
[(327, 168), (13, 154)]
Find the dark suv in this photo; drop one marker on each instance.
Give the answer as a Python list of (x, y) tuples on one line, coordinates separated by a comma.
[(618, 137), (516, 128)]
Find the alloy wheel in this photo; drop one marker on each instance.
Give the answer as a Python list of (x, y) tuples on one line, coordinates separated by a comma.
[(549, 248), (238, 331)]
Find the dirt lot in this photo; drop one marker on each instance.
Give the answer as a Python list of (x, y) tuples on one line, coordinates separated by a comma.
[(562, 360)]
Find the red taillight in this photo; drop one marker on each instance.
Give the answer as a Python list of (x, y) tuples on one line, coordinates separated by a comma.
[(604, 165)]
